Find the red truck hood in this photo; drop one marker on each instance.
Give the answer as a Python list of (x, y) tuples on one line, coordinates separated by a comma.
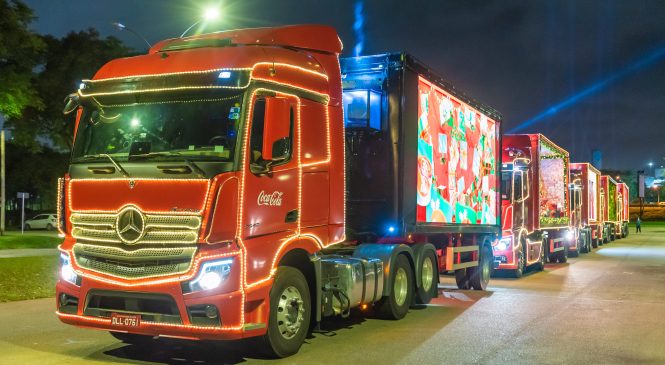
[(149, 195)]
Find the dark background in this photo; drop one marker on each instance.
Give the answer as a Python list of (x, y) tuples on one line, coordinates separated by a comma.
[(521, 57)]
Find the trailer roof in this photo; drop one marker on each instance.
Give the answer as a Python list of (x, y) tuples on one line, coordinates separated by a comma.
[(400, 60)]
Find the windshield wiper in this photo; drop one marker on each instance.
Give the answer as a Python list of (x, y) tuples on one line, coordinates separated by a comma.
[(105, 155), (193, 166)]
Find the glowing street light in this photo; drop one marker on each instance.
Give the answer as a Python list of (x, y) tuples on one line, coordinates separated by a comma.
[(210, 14)]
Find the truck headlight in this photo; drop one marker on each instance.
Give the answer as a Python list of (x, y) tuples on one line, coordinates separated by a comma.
[(211, 275), (67, 272), (570, 235), (504, 243)]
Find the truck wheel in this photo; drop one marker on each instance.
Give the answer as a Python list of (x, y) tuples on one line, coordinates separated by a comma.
[(428, 278), (290, 313), (462, 279), (563, 255), (396, 305), (479, 276), (521, 263), (132, 338), (595, 242)]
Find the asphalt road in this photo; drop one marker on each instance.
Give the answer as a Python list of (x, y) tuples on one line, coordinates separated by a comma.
[(602, 308)]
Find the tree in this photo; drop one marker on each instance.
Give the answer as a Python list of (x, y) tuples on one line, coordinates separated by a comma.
[(20, 51), (67, 61)]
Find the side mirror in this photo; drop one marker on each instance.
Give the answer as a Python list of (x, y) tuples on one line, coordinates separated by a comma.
[(71, 103), (277, 128), (281, 149)]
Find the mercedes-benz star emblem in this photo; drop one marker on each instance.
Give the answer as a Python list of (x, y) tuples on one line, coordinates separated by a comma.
[(130, 225)]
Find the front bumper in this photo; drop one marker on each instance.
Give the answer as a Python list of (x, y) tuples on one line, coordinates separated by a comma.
[(241, 311)]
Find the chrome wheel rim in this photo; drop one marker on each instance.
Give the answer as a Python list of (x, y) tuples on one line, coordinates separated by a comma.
[(401, 286), (427, 275), (290, 312)]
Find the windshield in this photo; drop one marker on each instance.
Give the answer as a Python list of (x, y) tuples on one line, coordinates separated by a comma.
[(187, 129)]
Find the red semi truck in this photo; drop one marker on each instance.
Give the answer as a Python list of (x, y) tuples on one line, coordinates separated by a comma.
[(237, 185), (585, 205), (611, 221), (623, 208), (535, 212)]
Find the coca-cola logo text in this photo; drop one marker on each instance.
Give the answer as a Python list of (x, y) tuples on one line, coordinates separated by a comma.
[(272, 199)]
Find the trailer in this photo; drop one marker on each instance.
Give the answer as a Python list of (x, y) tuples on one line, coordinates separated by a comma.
[(623, 208), (241, 185), (611, 220), (585, 205), (536, 213)]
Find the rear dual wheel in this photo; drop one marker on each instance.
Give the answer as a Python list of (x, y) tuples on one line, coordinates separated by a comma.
[(396, 305), (429, 271)]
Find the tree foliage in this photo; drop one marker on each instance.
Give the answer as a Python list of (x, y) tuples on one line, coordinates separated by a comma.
[(20, 51), (67, 61)]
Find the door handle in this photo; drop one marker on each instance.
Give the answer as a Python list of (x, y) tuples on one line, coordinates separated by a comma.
[(291, 216)]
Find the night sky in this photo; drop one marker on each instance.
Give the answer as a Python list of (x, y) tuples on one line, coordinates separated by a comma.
[(520, 57)]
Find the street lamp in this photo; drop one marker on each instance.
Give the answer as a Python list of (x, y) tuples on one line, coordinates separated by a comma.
[(210, 14), (121, 27)]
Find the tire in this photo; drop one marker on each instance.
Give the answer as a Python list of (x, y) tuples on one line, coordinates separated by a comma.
[(26, 227), (563, 255), (479, 276), (290, 314), (49, 227), (397, 303), (521, 263), (133, 339), (462, 279), (595, 242), (429, 272)]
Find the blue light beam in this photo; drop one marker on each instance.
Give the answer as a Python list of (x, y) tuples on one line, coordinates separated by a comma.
[(641, 63), (358, 25)]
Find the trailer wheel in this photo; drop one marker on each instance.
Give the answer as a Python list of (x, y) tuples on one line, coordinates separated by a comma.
[(132, 338), (428, 278), (479, 276), (521, 263), (290, 313), (462, 279), (397, 303), (594, 243)]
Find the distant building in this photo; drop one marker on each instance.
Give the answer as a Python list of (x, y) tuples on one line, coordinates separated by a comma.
[(597, 159)]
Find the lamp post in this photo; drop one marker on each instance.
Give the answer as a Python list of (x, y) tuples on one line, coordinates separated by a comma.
[(210, 14), (651, 168), (121, 27)]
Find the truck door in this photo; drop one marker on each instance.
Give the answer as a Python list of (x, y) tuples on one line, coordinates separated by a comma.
[(270, 201)]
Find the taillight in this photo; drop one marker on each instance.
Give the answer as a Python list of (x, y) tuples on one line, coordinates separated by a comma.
[(61, 222)]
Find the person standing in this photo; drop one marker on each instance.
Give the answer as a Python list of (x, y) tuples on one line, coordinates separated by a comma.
[(638, 225)]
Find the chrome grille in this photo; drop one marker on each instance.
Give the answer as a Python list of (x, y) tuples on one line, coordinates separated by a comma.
[(159, 228), (136, 264)]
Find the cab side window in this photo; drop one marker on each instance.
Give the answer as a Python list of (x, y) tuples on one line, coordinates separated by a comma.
[(260, 130)]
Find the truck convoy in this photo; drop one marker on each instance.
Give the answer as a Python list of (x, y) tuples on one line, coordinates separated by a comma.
[(536, 220), (241, 184), (585, 205)]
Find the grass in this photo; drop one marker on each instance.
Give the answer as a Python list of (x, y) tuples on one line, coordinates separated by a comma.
[(23, 278), (29, 240)]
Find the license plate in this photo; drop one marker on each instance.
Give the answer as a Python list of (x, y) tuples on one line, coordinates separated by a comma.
[(125, 320)]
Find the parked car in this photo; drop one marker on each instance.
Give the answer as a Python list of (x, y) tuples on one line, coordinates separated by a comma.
[(41, 221)]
